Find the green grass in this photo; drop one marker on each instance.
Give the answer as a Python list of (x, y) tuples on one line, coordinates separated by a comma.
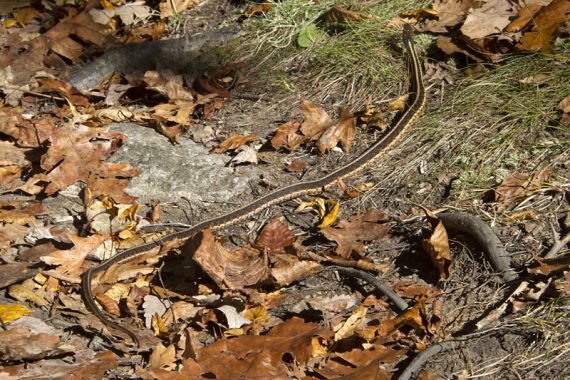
[(503, 125), (361, 63), (477, 130)]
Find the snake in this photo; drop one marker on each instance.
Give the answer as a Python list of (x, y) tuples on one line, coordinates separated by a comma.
[(415, 105)]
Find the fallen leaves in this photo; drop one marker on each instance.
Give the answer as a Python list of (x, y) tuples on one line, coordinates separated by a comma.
[(232, 269), (317, 126), (519, 185), (437, 245), (350, 235), (492, 28), (70, 261)]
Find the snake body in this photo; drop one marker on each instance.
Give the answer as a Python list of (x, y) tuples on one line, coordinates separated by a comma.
[(416, 104)]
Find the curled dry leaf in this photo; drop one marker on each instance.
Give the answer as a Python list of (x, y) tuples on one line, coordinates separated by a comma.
[(275, 236), (287, 136), (564, 106), (169, 84), (351, 234), (67, 90), (437, 245), (547, 266), (520, 185), (288, 268), (235, 270), (316, 120), (415, 317), (234, 142), (108, 304), (343, 132), (352, 323)]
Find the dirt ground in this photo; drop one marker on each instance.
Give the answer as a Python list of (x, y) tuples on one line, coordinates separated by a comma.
[(521, 346)]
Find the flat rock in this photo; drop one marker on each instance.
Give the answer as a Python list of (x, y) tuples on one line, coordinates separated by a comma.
[(170, 172)]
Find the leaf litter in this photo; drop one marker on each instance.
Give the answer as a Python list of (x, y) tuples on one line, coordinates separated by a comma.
[(71, 144)]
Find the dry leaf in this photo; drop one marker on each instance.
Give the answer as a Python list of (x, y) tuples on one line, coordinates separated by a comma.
[(316, 120), (546, 26), (398, 104), (547, 266), (414, 316), (70, 261), (297, 166), (491, 18), (234, 142), (28, 290), (351, 234), (343, 132), (233, 317), (352, 323), (287, 136), (128, 13), (11, 312), (235, 270), (163, 357), (109, 305), (437, 245), (275, 236), (169, 84), (257, 9), (449, 47), (288, 268), (449, 13), (257, 314), (524, 16), (339, 14), (332, 208), (519, 185), (246, 155), (67, 90), (76, 153)]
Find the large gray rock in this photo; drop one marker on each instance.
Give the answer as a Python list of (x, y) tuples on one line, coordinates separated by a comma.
[(170, 172)]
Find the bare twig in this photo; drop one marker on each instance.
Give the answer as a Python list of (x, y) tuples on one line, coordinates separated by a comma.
[(558, 245)]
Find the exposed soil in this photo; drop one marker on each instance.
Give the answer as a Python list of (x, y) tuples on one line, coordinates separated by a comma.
[(472, 290)]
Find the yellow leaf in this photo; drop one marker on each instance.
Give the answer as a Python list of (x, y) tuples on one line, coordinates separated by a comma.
[(25, 15), (107, 5), (351, 323), (118, 291), (9, 23), (28, 291), (234, 332), (332, 207), (257, 314), (158, 326), (11, 312), (398, 104), (319, 349)]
